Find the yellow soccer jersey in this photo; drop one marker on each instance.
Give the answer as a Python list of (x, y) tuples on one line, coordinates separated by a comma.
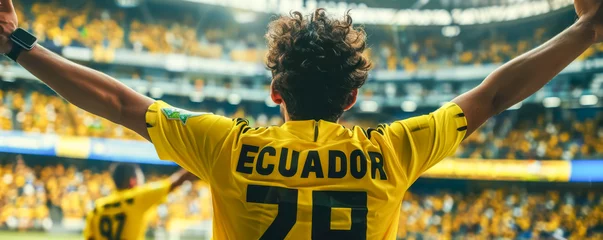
[(123, 215), (305, 179)]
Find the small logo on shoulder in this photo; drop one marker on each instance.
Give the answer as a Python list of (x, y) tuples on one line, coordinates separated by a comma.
[(180, 114)]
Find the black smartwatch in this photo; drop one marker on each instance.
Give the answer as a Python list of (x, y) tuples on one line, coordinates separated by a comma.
[(22, 40)]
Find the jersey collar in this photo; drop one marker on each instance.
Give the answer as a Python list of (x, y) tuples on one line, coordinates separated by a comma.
[(312, 130)]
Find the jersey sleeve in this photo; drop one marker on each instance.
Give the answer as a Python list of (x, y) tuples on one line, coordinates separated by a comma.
[(191, 139), (151, 194), (88, 229), (423, 141)]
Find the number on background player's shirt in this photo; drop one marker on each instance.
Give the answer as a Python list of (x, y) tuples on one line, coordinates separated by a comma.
[(305, 179), (123, 215)]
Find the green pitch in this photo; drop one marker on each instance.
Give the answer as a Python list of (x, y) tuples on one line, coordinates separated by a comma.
[(38, 236)]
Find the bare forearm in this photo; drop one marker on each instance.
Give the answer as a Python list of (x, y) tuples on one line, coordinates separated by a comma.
[(88, 89), (529, 72), (524, 75)]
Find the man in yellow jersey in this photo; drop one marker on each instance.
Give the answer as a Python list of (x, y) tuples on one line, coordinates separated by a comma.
[(311, 177), (124, 214)]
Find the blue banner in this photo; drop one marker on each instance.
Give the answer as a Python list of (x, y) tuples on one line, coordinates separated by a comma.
[(27, 143), (79, 147), (124, 151), (586, 171)]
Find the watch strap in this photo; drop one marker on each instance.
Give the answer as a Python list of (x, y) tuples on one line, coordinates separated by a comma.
[(14, 52)]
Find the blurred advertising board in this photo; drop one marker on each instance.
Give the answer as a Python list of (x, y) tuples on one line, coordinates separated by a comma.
[(27, 143), (79, 147), (124, 151), (587, 171), (144, 152), (508, 170)]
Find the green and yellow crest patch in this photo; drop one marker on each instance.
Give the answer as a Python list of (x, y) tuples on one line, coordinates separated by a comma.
[(180, 114)]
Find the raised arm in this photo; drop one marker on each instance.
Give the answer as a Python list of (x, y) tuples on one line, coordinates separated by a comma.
[(178, 178), (88, 89), (526, 74)]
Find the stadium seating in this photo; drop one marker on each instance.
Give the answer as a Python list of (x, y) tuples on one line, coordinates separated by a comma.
[(502, 138), (32, 111), (23, 204), (105, 28), (33, 197), (30, 193), (502, 214)]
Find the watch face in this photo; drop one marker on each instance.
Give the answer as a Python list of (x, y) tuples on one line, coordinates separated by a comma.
[(24, 37)]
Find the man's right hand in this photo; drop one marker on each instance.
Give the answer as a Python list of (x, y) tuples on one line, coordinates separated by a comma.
[(590, 12), (8, 24)]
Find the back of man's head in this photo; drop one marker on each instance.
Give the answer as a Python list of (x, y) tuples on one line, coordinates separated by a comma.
[(317, 64), (125, 175)]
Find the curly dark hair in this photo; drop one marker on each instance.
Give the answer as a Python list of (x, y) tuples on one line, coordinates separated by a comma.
[(316, 63)]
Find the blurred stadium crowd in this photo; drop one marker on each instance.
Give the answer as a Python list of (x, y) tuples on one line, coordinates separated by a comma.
[(502, 213), (39, 195), (36, 196), (33, 111), (105, 28), (504, 137), (536, 138)]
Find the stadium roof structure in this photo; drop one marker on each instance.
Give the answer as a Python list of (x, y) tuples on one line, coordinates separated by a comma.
[(434, 4), (403, 12), (391, 4)]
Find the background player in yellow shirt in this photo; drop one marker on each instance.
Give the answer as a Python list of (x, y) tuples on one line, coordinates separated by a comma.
[(311, 177), (124, 214)]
